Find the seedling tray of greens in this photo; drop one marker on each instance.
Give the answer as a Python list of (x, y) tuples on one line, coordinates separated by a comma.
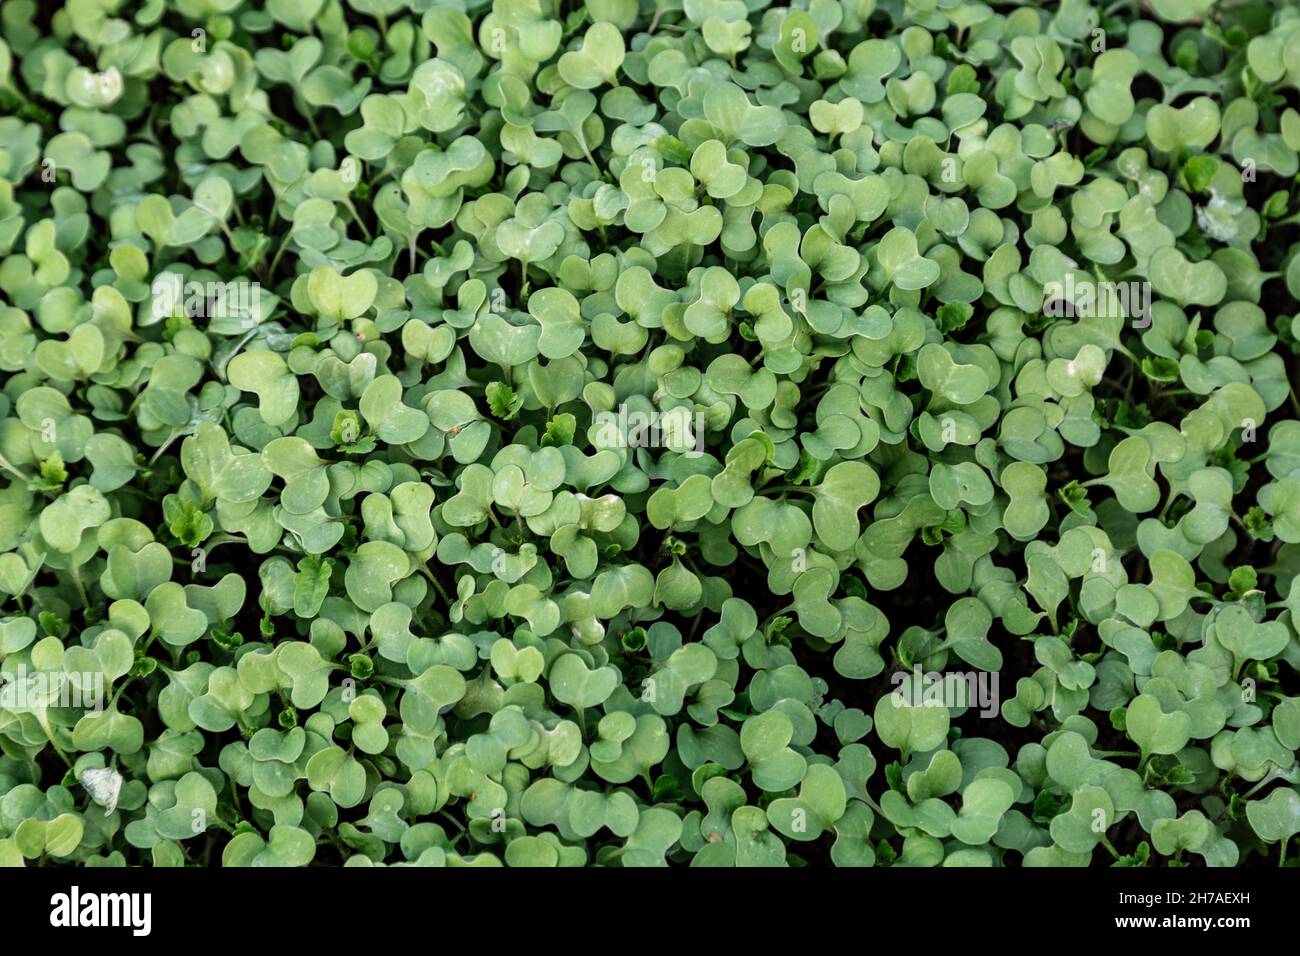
[(649, 432)]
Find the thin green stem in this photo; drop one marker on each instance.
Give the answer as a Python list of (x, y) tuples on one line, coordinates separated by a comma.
[(311, 124), (230, 236), (43, 718), (356, 217), (586, 151), (163, 447), (1268, 778), (946, 645), (18, 472), (275, 260), (75, 574), (785, 489), (118, 693), (460, 827), (424, 569)]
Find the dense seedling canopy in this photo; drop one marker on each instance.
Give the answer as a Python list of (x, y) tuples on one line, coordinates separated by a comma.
[(630, 432)]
